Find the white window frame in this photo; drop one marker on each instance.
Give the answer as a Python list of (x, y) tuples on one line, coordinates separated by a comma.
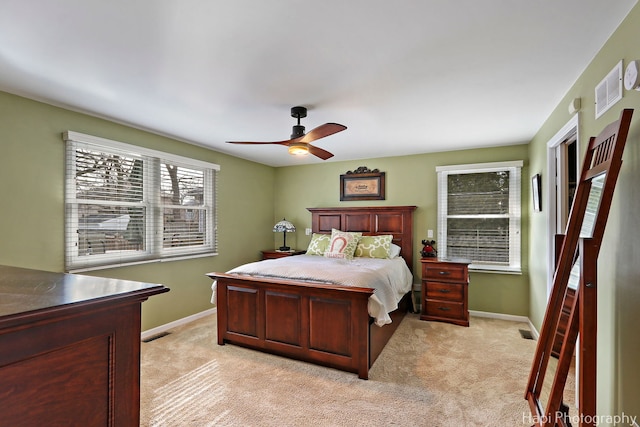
[(154, 249), (515, 211)]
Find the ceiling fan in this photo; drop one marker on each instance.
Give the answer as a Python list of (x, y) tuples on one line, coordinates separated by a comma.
[(300, 143)]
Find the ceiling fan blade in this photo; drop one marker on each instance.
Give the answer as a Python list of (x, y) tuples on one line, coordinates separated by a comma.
[(319, 152), (254, 142), (322, 131)]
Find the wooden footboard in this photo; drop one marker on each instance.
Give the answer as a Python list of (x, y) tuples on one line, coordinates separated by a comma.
[(323, 324)]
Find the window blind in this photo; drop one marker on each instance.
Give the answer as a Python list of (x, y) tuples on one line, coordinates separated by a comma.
[(126, 204), (479, 214)]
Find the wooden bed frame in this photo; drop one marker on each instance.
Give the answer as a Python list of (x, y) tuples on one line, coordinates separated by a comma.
[(327, 325)]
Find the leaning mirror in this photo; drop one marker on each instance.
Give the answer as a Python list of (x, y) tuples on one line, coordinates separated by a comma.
[(571, 309), (568, 405)]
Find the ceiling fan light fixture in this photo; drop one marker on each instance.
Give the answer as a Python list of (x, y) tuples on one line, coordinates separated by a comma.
[(300, 142), (298, 149)]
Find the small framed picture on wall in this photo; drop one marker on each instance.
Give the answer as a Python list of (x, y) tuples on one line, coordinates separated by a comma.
[(536, 183)]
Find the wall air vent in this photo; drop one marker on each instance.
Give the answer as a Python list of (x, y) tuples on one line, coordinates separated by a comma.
[(156, 336), (609, 90)]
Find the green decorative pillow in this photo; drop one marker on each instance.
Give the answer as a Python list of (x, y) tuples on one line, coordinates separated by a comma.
[(318, 244), (343, 244), (374, 246)]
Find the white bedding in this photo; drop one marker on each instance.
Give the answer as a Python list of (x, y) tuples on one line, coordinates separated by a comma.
[(391, 279)]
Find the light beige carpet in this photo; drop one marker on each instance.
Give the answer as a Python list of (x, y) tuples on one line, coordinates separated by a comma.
[(429, 374)]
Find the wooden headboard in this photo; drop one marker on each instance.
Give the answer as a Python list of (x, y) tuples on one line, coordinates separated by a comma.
[(371, 221)]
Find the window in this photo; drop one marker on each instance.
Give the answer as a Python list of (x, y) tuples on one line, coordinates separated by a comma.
[(479, 214), (126, 204)]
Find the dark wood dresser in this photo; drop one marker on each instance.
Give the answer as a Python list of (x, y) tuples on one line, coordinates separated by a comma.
[(69, 349), (445, 290)]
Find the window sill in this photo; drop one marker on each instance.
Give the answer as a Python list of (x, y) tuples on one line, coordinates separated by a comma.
[(494, 270), (147, 261)]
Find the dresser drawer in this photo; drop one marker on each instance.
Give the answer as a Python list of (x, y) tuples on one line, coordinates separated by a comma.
[(445, 291), (448, 272), (444, 309)]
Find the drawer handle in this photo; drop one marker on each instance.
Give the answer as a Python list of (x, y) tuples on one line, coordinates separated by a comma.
[(444, 273), (445, 291), (444, 308)]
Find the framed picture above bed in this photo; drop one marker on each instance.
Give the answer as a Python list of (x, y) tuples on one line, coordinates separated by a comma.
[(362, 184)]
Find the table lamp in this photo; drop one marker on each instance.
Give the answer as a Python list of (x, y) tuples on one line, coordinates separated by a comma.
[(285, 227)]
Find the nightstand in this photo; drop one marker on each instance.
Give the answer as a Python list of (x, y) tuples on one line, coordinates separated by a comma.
[(445, 284), (273, 253)]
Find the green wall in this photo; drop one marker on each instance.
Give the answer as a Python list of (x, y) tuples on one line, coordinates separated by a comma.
[(410, 180), (619, 260), (32, 195)]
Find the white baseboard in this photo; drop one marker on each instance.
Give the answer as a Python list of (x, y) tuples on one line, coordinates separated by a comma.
[(534, 331), (163, 328), (500, 316), (511, 317)]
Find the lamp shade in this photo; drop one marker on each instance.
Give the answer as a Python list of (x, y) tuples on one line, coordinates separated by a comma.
[(284, 227)]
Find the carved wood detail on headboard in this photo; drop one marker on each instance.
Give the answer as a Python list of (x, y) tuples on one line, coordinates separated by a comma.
[(370, 221)]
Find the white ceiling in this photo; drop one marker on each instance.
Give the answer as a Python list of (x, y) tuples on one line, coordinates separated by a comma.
[(404, 76)]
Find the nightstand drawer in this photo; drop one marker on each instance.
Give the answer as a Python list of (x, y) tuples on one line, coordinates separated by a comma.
[(448, 272), (445, 309), (445, 291)]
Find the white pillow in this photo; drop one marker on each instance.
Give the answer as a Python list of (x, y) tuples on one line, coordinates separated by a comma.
[(394, 252)]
